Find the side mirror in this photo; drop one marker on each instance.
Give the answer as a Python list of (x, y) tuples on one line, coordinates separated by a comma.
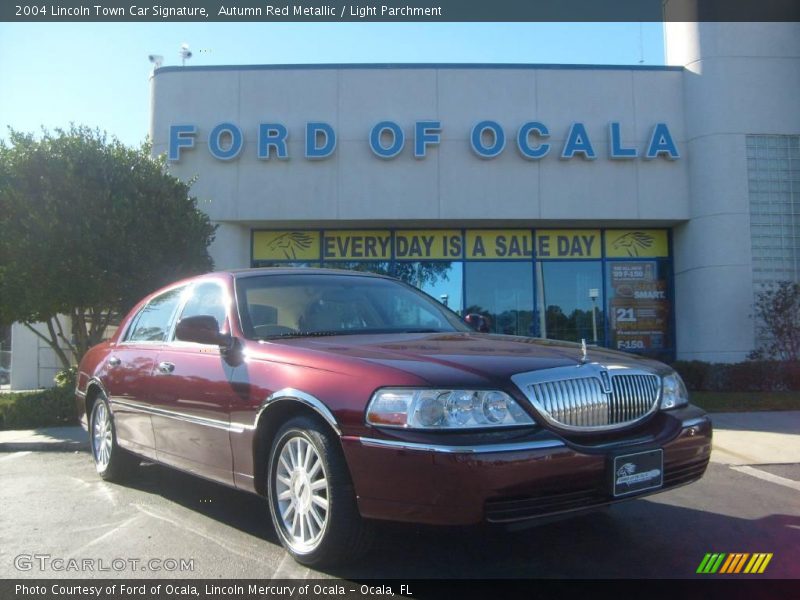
[(478, 322), (202, 329)]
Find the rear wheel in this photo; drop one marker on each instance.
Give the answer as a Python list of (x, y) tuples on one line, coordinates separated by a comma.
[(112, 462), (311, 498)]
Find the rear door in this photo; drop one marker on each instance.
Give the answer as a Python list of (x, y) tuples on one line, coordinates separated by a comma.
[(129, 370)]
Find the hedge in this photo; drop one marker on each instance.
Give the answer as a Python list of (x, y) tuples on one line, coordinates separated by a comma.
[(39, 408), (749, 376)]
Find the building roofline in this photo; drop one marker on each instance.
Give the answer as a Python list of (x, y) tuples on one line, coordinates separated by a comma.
[(417, 66)]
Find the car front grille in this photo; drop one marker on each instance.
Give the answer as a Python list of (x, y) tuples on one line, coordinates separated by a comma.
[(591, 397)]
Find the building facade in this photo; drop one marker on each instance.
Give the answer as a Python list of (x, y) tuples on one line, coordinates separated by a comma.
[(635, 207)]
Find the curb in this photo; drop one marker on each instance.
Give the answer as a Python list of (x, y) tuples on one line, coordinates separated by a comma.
[(61, 446)]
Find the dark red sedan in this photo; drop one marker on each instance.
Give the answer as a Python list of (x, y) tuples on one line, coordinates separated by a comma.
[(345, 397)]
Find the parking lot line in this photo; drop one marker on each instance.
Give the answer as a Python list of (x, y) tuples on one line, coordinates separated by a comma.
[(748, 470)]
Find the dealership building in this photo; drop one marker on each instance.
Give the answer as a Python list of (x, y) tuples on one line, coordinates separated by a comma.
[(636, 207)]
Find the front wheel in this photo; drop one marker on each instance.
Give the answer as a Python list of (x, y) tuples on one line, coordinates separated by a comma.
[(112, 462), (311, 498)]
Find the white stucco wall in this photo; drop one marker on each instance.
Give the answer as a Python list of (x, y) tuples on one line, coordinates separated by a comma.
[(451, 183), (33, 362), (740, 78)]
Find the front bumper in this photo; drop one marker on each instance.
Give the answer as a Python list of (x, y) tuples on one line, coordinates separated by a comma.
[(511, 481)]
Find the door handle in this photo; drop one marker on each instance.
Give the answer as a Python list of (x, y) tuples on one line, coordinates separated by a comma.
[(166, 367), (114, 361)]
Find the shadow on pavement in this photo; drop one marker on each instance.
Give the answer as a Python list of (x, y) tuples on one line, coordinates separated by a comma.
[(638, 539)]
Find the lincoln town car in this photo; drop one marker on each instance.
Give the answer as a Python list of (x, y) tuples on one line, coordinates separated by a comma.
[(347, 398)]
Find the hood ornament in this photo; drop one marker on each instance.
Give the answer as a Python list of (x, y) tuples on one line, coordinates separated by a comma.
[(583, 351)]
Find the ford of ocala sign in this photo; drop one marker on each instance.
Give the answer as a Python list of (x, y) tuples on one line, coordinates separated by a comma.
[(387, 139)]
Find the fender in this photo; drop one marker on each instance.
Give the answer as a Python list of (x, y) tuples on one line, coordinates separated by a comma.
[(298, 396)]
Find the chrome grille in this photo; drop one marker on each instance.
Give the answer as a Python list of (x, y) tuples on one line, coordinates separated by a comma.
[(580, 402), (632, 397), (585, 398)]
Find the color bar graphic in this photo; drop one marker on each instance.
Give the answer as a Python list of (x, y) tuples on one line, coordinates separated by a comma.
[(720, 562)]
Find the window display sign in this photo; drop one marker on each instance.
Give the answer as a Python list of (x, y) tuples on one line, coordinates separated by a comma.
[(568, 243), (634, 243), (638, 306), (286, 245), (439, 244), (499, 244), (357, 245)]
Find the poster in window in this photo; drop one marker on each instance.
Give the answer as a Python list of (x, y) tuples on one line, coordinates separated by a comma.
[(639, 307)]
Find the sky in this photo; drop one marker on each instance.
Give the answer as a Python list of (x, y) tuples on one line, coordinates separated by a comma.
[(97, 74)]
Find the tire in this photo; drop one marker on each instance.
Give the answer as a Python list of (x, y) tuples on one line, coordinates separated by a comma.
[(311, 498), (112, 462)]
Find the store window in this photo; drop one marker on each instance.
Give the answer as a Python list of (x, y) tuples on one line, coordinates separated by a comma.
[(570, 301), (609, 287), (443, 281), (503, 292)]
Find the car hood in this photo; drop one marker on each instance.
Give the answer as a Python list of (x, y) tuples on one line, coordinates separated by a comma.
[(462, 358)]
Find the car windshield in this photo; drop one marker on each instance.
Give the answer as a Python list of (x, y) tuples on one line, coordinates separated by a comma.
[(275, 306)]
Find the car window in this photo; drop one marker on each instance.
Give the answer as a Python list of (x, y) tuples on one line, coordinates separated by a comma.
[(207, 299), (273, 306), (154, 321)]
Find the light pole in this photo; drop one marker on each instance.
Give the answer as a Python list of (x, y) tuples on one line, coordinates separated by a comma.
[(593, 295)]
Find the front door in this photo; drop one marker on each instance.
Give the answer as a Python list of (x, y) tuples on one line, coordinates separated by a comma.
[(194, 395)]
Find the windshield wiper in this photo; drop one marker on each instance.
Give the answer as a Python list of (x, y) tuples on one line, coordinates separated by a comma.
[(294, 334), (291, 334)]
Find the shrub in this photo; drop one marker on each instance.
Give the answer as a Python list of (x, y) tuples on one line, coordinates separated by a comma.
[(749, 376), (777, 311), (41, 408)]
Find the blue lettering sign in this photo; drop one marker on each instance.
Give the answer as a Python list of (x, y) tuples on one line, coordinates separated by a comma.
[(272, 136), (396, 145), (476, 139), (661, 142), (313, 132), (426, 132), (616, 149), (215, 141), (180, 136), (578, 143), (528, 151)]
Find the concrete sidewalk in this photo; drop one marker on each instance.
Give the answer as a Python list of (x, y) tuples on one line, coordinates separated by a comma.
[(754, 438), (55, 439)]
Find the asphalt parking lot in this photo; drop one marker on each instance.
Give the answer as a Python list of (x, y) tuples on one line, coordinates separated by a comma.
[(55, 505)]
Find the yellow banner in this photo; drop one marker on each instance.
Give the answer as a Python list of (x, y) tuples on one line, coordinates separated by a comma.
[(568, 243), (286, 245), (639, 243), (357, 245), (436, 244), (492, 244)]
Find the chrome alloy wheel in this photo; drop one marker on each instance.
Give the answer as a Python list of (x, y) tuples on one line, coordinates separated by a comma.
[(102, 439), (302, 492)]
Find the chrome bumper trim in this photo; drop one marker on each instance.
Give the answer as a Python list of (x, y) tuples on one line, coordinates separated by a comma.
[(487, 449), (194, 419)]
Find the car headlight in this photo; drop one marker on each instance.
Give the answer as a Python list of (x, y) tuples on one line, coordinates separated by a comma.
[(444, 409), (673, 392)]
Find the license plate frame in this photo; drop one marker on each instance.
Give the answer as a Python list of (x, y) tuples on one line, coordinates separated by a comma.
[(637, 472)]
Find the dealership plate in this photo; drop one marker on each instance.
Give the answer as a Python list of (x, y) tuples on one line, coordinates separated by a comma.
[(634, 473)]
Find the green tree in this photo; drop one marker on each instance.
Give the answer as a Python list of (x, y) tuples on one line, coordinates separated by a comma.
[(777, 311), (87, 227)]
